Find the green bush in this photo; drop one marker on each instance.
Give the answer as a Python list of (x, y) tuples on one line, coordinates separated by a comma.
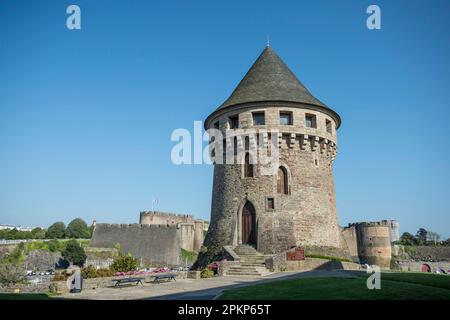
[(56, 231), (55, 246), (16, 256), (189, 256), (91, 272), (38, 233), (78, 229), (124, 263), (206, 273), (74, 253)]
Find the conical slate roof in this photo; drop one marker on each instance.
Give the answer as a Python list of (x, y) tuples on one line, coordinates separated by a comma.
[(270, 79)]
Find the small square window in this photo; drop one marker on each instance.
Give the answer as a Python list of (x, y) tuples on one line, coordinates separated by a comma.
[(270, 203), (286, 118), (328, 125), (234, 122), (310, 121), (216, 125), (259, 119)]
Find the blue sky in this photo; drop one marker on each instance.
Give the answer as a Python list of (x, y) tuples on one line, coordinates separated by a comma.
[(86, 115)]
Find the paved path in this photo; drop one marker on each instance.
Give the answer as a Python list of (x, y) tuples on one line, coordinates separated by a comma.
[(189, 289)]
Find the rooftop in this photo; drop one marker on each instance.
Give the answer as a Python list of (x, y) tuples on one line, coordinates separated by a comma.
[(270, 79)]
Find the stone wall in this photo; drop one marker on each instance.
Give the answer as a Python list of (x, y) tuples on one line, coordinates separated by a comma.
[(279, 262), (348, 237), (164, 218), (153, 243), (416, 266), (421, 253)]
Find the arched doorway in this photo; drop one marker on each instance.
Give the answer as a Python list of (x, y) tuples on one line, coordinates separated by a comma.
[(425, 268), (248, 225)]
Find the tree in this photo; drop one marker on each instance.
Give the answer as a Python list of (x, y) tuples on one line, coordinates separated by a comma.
[(78, 229), (433, 236), (56, 231), (421, 236), (74, 253), (38, 233), (11, 274), (407, 239)]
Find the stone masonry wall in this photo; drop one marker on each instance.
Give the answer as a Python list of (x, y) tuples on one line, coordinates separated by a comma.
[(164, 218), (305, 216), (154, 243)]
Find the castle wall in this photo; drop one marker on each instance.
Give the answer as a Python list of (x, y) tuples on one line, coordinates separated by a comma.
[(186, 235), (156, 244), (163, 218), (349, 236), (394, 229), (199, 234)]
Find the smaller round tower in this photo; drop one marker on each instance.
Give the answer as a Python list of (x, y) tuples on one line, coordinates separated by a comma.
[(374, 244)]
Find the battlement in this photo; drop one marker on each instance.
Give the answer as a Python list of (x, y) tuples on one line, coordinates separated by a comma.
[(163, 218), (382, 223), (135, 226)]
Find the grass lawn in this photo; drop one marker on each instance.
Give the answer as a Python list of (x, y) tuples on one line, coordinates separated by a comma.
[(24, 296), (394, 286)]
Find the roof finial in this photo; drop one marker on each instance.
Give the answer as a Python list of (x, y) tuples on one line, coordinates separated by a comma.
[(268, 41)]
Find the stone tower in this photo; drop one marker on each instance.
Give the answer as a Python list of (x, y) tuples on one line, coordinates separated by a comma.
[(294, 206)]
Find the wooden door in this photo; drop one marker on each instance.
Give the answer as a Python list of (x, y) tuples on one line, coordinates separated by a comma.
[(248, 224)]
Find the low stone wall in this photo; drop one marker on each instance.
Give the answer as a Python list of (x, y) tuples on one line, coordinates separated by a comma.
[(279, 262), (416, 266), (26, 288), (88, 284), (224, 265)]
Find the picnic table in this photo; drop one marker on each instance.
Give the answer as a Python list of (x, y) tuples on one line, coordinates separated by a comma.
[(121, 281), (162, 276)]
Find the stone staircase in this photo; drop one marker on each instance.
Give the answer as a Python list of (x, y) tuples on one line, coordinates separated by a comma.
[(251, 263)]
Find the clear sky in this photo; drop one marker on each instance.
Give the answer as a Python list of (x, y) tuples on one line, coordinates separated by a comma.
[(86, 115)]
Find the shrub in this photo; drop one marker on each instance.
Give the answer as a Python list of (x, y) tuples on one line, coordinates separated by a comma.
[(124, 263), (60, 276), (91, 272), (188, 256), (38, 233), (206, 273), (56, 231), (11, 274), (16, 256), (78, 229), (74, 253), (55, 246)]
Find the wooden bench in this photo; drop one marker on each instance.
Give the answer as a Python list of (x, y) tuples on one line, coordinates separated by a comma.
[(120, 282), (166, 277)]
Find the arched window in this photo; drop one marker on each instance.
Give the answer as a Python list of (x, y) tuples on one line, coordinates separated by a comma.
[(282, 181), (248, 167)]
